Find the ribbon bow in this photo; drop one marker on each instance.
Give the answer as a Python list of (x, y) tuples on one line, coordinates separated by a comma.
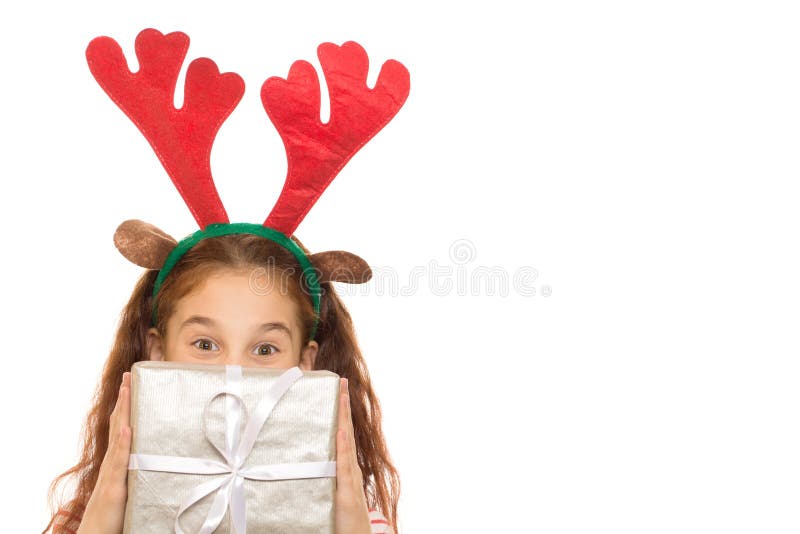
[(230, 491)]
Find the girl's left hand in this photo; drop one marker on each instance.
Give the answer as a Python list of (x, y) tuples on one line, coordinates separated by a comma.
[(352, 514)]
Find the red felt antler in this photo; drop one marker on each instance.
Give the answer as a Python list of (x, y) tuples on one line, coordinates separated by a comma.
[(182, 138), (316, 152)]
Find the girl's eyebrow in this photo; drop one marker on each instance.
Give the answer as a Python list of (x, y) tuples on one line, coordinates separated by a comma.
[(266, 327), (207, 321), (197, 319)]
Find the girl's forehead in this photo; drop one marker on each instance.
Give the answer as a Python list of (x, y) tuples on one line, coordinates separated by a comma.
[(234, 299)]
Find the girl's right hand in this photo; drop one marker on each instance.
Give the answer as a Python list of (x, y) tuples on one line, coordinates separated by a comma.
[(105, 510)]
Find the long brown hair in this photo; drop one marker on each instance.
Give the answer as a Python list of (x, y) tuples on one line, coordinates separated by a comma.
[(338, 352)]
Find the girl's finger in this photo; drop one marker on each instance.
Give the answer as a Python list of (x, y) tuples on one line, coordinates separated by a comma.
[(344, 464), (350, 435), (344, 473), (113, 420), (350, 430), (121, 415), (343, 418), (124, 414), (346, 483), (122, 453), (347, 415)]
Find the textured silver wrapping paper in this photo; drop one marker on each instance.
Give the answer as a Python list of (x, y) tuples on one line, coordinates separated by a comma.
[(167, 402)]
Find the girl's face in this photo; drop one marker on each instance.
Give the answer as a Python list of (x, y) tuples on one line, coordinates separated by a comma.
[(224, 321)]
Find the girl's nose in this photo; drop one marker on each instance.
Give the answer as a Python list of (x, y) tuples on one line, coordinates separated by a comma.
[(234, 358)]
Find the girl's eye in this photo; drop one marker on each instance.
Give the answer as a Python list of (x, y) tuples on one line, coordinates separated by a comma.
[(266, 349), (205, 344)]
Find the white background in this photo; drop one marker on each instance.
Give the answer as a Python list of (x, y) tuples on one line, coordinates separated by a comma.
[(642, 157)]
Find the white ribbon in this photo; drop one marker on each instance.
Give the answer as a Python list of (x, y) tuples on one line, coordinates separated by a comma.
[(230, 490)]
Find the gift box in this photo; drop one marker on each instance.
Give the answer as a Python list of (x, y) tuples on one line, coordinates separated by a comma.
[(226, 449)]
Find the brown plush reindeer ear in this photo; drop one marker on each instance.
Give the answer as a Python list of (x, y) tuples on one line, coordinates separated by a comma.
[(338, 265), (341, 266), (143, 244)]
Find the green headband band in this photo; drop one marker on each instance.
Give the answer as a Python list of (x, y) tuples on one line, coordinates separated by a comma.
[(220, 229)]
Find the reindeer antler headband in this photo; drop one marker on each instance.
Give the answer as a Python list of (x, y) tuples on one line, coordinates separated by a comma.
[(182, 139)]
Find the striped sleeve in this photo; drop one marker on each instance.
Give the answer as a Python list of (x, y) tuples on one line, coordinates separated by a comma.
[(379, 523), (67, 520)]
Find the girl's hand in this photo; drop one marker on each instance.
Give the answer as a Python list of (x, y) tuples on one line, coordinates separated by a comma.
[(352, 515), (105, 510)]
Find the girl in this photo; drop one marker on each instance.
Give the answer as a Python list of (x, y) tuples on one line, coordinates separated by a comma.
[(210, 309), (239, 293)]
